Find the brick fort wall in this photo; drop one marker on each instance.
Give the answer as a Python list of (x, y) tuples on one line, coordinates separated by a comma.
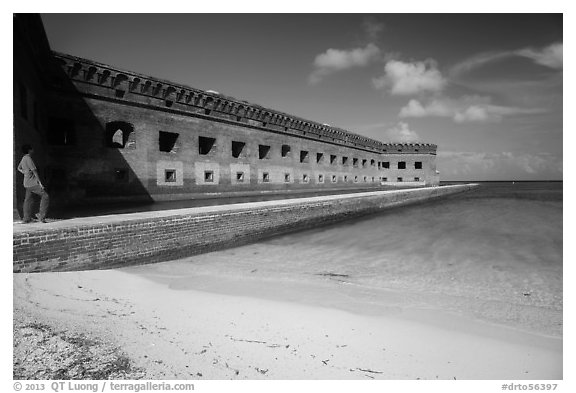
[(140, 238)]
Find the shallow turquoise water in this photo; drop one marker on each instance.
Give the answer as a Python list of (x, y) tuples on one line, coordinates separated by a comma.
[(495, 252)]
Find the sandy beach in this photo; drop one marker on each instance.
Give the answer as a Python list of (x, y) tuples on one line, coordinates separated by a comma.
[(262, 329), (469, 288)]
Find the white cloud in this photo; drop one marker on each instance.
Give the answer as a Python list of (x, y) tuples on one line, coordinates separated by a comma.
[(334, 60), (435, 107), (467, 109), (401, 132), (550, 56), (478, 61), (494, 113), (502, 165), (472, 114), (402, 78)]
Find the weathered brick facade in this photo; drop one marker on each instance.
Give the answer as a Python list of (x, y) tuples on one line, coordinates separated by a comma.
[(105, 134)]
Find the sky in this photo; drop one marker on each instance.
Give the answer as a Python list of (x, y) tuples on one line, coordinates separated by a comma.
[(486, 88)]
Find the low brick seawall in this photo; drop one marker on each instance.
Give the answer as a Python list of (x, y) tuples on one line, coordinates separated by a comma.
[(129, 239)]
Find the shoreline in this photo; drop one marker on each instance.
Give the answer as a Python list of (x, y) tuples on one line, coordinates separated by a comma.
[(336, 292), (260, 330)]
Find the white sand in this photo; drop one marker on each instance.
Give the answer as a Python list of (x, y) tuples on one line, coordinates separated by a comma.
[(183, 333)]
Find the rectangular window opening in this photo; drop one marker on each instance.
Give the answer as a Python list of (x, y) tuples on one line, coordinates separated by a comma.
[(286, 178), (265, 177), (237, 148), (320, 178), (285, 151), (263, 152), (384, 179), (205, 144), (170, 176), (209, 176), (167, 141), (418, 165), (344, 160), (305, 178), (355, 162), (334, 178), (332, 159), (240, 177), (304, 156), (319, 158), (402, 165), (364, 163), (399, 179), (386, 165)]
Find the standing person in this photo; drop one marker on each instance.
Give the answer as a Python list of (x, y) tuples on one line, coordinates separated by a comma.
[(33, 185)]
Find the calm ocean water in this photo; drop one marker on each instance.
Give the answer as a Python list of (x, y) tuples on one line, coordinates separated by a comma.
[(496, 252), (498, 240)]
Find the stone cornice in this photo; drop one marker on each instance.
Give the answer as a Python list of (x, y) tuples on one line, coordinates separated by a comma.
[(125, 84)]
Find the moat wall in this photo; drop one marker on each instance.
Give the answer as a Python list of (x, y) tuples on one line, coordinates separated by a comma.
[(139, 238)]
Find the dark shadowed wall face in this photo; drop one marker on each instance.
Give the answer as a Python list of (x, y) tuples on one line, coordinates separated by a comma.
[(487, 88)]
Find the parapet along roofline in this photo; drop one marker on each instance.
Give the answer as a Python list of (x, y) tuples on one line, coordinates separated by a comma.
[(132, 82)]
